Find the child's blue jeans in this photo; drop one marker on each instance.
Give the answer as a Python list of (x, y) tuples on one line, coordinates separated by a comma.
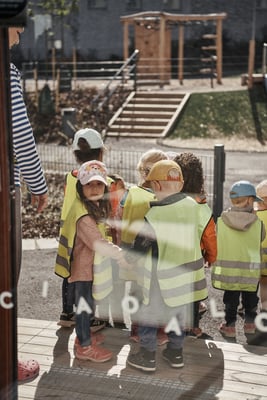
[(83, 291)]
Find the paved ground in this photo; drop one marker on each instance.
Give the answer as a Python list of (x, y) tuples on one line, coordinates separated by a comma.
[(39, 289)]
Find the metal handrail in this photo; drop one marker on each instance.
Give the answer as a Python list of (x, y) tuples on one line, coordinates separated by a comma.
[(106, 93), (133, 57)]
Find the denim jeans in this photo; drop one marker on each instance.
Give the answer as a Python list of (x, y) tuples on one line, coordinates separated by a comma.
[(83, 319), (148, 338)]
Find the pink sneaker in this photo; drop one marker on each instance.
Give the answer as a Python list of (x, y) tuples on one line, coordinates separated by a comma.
[(249, 328), (228, 331), (93, 353), (96, 339)]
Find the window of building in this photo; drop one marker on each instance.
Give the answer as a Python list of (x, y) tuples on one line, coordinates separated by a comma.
[(97, 3), (261, 4), (171, 4), (133, 4)]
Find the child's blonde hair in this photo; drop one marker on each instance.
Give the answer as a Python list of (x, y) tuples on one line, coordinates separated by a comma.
[(261, 188), (146, 161)]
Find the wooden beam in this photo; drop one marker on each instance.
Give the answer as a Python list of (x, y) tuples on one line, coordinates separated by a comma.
[(174, 17), (181, 54), (125, 40), (162, 45), (251, 63), (219, 50)]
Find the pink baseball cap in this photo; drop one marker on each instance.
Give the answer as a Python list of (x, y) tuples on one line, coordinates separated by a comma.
[(92, 171)]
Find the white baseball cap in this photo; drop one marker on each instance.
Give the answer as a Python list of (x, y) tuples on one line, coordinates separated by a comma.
[(92, 137)]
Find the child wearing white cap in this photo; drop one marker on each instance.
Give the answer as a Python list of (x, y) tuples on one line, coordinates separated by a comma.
[(84, 253), (261, 211), (87, 145), (238, 266)]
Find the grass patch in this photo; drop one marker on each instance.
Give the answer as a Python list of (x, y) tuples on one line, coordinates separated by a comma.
[(224, 114)]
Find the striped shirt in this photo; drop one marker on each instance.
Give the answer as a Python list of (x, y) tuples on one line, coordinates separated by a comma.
[(27, 162)]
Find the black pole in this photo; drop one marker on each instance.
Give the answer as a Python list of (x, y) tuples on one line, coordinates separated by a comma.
[(218, 179)]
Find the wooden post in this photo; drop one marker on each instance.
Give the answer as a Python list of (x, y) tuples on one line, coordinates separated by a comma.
[(181, 54), (251, 61), (161, 49), (219, 50), (8, 311), (125, 40)]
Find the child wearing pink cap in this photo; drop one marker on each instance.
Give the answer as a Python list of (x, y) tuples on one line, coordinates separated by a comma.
[(85, 254)]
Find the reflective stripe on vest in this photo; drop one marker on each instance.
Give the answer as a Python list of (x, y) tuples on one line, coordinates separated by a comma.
[(179, 268), (262, 215), (238, 264), (102, 281)]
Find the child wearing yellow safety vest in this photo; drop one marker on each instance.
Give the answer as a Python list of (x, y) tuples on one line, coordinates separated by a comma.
[(133, 206), (85, 255), (171, 270), (193, 175), (237, 269)]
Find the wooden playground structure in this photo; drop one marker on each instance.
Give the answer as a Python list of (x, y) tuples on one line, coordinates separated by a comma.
[(153, 35)]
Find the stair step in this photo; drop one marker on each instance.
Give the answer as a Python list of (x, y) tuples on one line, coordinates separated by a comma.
[(141, 121), (152, 82), (208, 48), (205, 70), (135, 129), (148, 107), (209, 36), (146, 114), (158, 101), (159, 94), (133, 135), (206, 60)]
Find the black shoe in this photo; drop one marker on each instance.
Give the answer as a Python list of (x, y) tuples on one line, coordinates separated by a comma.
[(120, 325), (174, 357), (144, 360), (66, 320), (97, 324)]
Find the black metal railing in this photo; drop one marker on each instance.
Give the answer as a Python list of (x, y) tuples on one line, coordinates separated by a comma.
[(117, 88)]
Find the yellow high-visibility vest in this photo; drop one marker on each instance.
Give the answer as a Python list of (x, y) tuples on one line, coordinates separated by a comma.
[(178, 229), (102, 269), (238, 264)]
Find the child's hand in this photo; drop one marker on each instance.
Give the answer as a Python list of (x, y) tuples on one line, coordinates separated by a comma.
[(123, 263)]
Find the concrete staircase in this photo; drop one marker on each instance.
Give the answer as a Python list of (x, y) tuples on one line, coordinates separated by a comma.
[(147, 114)]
